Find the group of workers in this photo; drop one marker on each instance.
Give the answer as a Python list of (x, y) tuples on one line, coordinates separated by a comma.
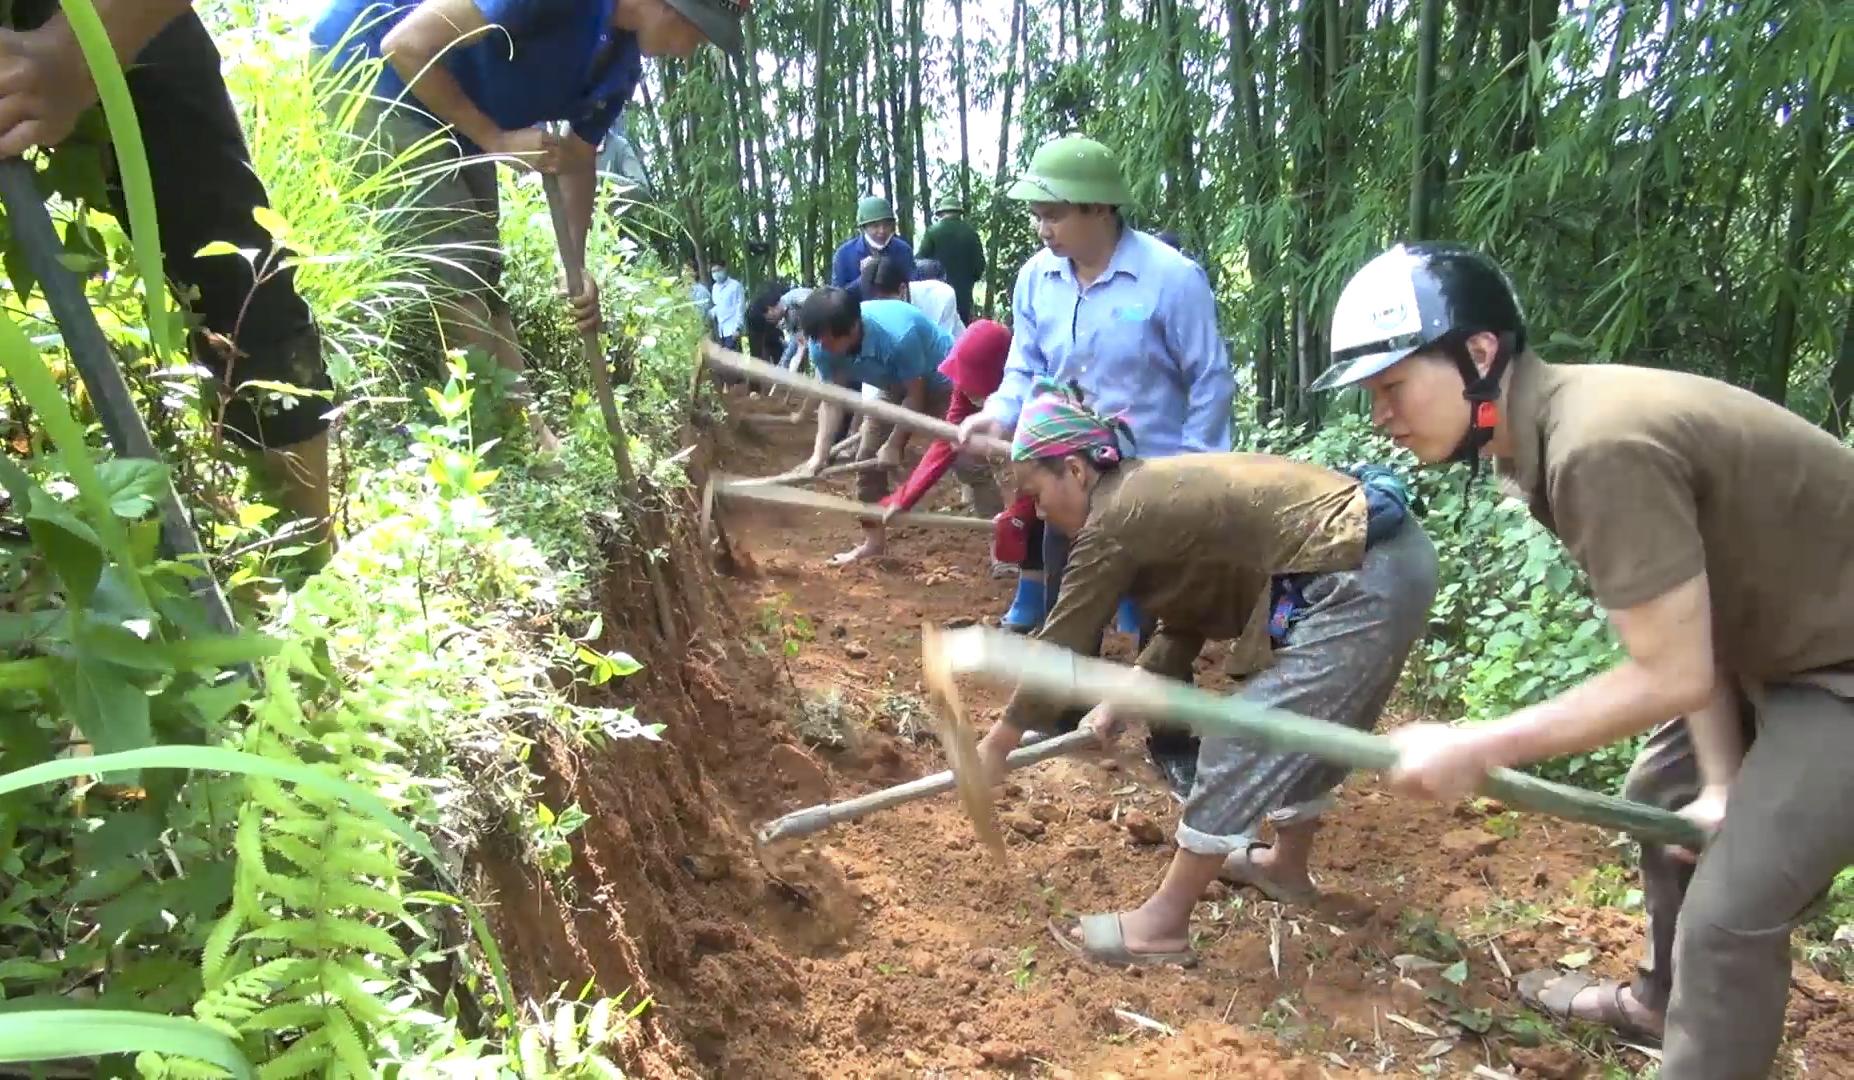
[(1712, 524)]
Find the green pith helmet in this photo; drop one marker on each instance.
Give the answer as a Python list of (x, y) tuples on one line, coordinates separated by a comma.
[(1072, 169), (871, 209), (950, 204)]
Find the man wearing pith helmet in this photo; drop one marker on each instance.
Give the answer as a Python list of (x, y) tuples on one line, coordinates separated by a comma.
[(875, 235), (1714, 526), (954, 242), (1131, 323)]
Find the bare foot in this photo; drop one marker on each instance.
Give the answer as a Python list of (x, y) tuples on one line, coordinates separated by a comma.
[(868, 549)]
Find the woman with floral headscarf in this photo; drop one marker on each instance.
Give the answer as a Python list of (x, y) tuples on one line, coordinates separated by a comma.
[(1321, 580)]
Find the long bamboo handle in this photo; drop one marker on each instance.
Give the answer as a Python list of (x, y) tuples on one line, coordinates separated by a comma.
[(757, 491), (96, 365), (815, 819), (1058, 673), (804, 385), (589, 341), (796, 477)]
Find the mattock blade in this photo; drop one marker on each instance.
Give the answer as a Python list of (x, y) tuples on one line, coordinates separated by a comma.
[(957, 738)]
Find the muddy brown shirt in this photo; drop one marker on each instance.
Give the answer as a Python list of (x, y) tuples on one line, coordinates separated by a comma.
[(1650, 477), (1195, 539)]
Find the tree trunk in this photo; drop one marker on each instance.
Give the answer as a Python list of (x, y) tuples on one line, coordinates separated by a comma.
[(1773, 378), (685, 186), (743, 164), (758, 110), (1253, 168), (1011, 71), (1841, 379), (959, 76), (1422, 195), (923, 200), (820, 146)]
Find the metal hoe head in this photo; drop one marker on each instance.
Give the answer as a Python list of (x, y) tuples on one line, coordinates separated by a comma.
[(957, 738)]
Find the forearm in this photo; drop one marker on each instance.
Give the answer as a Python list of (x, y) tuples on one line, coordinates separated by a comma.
[(1718, 735), (915, 399), (829, 416), (414, 49), (1626, 700), (131, 24)]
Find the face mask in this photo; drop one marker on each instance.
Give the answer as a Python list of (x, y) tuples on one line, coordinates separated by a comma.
[(883, 246), (719, 275)]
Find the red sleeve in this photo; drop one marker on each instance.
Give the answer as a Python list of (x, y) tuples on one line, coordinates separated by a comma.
[(938, 459)]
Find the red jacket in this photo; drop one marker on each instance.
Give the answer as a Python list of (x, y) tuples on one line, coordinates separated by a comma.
[(976, 367)]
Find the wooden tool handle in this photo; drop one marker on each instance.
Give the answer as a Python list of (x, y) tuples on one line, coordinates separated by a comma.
[(747, 367), (734, 487), (815, 819)]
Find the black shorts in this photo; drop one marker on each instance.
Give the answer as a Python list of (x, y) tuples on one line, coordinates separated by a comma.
[(205, 190)]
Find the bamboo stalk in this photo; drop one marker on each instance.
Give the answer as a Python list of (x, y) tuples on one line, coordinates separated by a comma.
[(1058, 673), (734, 487), (815, 819), (805, 386)]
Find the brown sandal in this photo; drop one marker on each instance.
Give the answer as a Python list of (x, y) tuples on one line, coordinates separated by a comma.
[(1552, 992)]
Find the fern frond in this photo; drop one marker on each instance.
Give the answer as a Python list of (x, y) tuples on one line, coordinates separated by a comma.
[(599, 1023), (310, 1053), (366, 1008), (329, 932), (216, 955), (532, 1049), (374, 901), (599, 1067), (289, 1016), (349, 1049), (566, 1033)]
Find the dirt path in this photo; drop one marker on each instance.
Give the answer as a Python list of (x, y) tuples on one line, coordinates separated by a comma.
[(919, 955)]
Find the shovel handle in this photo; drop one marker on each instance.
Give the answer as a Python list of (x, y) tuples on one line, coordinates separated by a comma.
[(815, 819)]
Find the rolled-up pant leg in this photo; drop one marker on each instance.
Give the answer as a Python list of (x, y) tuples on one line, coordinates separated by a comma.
[(1789, 829), (1339, 663)]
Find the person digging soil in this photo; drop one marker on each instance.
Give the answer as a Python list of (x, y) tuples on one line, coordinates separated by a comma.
[(1234, 547), (1713, 525), (889, 344)]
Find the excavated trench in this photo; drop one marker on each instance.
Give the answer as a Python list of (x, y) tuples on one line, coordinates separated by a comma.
[(897, 946)]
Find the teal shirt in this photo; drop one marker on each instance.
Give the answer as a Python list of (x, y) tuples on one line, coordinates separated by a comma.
[(900, 344)]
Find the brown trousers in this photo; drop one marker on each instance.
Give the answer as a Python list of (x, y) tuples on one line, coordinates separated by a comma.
[(1717, 957)]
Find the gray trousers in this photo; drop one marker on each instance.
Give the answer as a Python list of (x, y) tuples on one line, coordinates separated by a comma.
[(1340, 662), (1718, 952)]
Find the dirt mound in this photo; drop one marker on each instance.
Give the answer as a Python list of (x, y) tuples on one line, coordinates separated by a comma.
[(896, 946)]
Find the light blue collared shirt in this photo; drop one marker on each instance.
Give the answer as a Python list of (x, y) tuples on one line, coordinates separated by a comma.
[(900, 344), (1141, 341)]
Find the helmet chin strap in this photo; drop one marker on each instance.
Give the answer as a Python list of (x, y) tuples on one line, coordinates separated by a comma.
[(1483, 395)]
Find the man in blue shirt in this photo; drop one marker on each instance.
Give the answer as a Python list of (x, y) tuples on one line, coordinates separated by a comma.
[(875, 235), (1120, 314), (888, 344), (489, 73)]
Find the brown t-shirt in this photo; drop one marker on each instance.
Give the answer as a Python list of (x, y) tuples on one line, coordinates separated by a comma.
[(1194, 540), (1650, 477)]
